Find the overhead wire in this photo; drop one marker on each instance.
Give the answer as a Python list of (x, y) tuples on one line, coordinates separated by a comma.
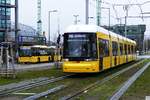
[(140, 10), (107, 3), (145, 2), (129, 3)]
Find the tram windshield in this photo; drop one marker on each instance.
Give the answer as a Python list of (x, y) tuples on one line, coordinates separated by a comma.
[(80, 45)]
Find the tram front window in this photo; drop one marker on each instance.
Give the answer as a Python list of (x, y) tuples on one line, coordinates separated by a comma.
[(80, 46)]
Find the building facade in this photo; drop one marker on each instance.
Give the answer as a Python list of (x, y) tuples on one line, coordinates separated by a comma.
[(134, 32), (5, 17)]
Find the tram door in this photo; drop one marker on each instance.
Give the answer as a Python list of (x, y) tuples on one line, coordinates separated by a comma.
[(126, 53), (103, 54)]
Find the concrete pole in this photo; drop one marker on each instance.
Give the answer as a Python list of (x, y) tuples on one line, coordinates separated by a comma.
[(98, 12), (49, 27), (87, 12), (16, 25), (126, 8)]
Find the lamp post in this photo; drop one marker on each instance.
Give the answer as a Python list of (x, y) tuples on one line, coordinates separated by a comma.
[(49, 12), (86, 11), (90, 19), (76, 19)]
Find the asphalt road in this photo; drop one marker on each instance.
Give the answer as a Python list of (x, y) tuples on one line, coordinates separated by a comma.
[(39, 66)]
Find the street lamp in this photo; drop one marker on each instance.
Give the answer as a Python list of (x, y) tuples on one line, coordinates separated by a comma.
[(76, 19), (89, 18), (49, 12)]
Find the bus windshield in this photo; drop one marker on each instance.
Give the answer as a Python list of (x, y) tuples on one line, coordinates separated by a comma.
[(80, 45), (23, 52)]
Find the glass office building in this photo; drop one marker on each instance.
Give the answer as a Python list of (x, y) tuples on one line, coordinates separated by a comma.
[(5, 17)]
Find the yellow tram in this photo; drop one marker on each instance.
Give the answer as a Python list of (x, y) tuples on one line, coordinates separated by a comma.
[(90, 48)]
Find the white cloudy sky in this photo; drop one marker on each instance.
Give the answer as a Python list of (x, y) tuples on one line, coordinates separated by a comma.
[(68, 8)]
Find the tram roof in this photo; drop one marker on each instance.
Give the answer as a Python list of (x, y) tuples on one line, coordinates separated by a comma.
[(94, 29), (85, 28), (113, 34)]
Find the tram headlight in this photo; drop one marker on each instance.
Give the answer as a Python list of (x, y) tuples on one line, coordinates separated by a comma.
[(88, 59), (66, 59)]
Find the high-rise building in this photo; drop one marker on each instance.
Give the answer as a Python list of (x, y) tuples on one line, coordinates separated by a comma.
[(5, 17)]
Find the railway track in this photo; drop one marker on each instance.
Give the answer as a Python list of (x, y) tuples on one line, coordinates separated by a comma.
[(42, 94), (128, 83), (8, 91), (99, 82)]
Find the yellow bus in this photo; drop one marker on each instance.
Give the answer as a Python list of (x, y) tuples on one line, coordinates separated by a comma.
[(90, 48), (39, 54), (35, 54), (24, 54)]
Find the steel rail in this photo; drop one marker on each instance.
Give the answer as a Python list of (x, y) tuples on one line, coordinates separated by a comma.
[(128, 83), (42, 94), (32, 85)]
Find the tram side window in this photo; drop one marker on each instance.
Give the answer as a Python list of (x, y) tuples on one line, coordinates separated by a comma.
[(103, 47), (125, 49), (121, 49), (114, 48), (129, 49), (132, 51)]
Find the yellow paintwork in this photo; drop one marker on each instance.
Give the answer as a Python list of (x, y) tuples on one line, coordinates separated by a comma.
[(24, 59), (130, 58), (106, 63), (102, 35), (122, 59), (37, 59), (44, 58), (34, 59), (57, 57), (82, 66)]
